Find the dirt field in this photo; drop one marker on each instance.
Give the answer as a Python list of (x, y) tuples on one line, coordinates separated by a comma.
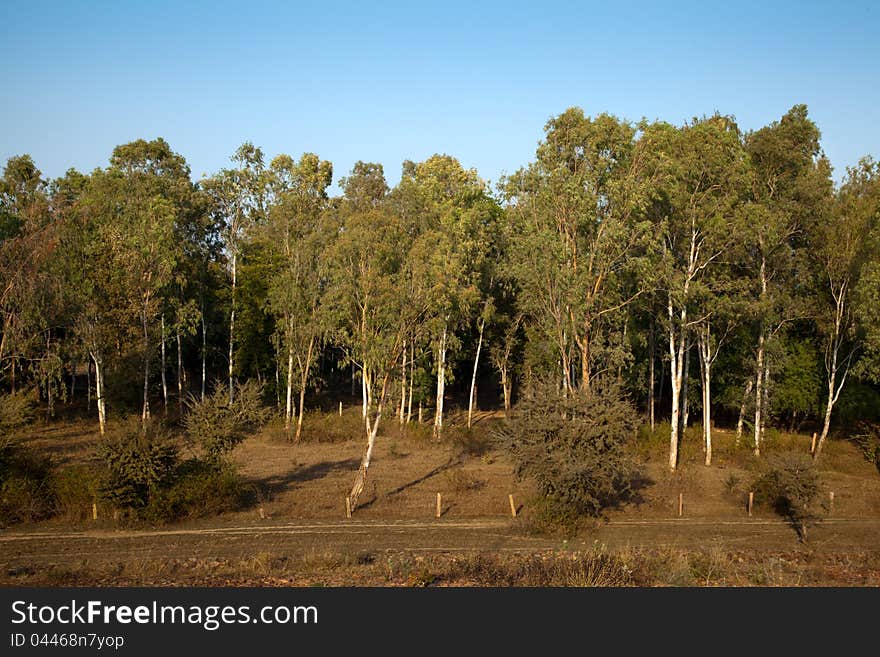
[(298, 534)]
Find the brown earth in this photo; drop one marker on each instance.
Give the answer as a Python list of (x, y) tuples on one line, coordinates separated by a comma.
[(299, 534)]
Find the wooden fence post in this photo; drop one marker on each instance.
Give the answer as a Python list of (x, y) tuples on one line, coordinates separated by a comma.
[(512, 505), (751, 502), (439, 505), (347, 506), (680, 504)]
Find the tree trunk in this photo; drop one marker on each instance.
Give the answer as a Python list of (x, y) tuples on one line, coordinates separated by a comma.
[(742, 409), (412, 362), (372, 429), (401, 414), (288, 409), (145, 413), (759, 393), (303, 382), (474, 375), (179, 374), (204, 351), (232, 326), (676, 372), (164, 381), (72, 382), (88, 385), (651, 359), (833, 368), (99, 393), (685, 407), (441, 385), (705, 348)]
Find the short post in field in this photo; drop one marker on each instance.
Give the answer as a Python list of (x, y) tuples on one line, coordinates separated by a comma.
[(94, 510), (680, 504), (830, 501), (813, 444), (751, 502), (262, 513), (512, 505), (347, 506), (340, 409), (439, 505)]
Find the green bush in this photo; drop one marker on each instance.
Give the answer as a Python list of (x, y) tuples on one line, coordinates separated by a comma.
[(137, 464), (218, 425), (574, 448), (198, 489), (76, 489), (26, 491), (790, 486)]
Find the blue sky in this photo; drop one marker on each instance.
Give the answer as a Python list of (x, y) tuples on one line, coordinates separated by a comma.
[(395, 81)]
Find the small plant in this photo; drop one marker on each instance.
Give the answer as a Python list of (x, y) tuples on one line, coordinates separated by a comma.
[(790, 485), (218, 425), (731, 484)]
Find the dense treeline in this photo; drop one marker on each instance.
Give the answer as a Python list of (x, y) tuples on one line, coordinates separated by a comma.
[(707, 271)]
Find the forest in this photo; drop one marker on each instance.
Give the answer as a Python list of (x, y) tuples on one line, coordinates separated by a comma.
[(713, 276)]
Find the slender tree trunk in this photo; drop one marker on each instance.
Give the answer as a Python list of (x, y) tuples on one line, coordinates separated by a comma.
[(759, 393), (179, 374), (685, 407), (705, 348), (441, 385), (288, 409), (833, 370), (99, 393), (303, 382), (72, 382), (401, 415), (145, 413), (651, 358), (505, 388), (676, 372), (742, 409), (474, 375), (364, 394), (372, 428), (204, 351), (232, 326), (88, 385), (412, 362), (164, 381)]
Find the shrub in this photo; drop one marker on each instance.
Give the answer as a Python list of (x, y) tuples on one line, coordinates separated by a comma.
[(790, 486), (137, 463), (76, 489), (198, 489), (25, 486), (218, 425), (867, 439), (573, 448)]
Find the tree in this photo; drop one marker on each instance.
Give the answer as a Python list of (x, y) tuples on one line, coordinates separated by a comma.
[(293, 238), (701, 173), (843, 249)]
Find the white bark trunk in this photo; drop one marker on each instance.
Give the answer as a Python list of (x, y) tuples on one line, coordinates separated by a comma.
[(179, 375), (232, 326), (288, 409), (164, 381), (651, 359), (145, 413), (99, 393), (401, 415), (474, 375), (204, 352), (759, 394), (441, 385), (742, 409)]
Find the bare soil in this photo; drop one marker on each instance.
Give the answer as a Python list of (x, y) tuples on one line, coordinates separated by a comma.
[(298, 533)]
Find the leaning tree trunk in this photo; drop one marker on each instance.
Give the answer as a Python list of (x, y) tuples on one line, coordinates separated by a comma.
[(372, 429), (474, 375), (833, 370), (441, 385)]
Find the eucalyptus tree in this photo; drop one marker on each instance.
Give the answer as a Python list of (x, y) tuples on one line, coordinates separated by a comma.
[(701, 177), (451, 241), (791, 190), (842, 249), (240, 199), (581, 236), (373, 314), (292, 238)]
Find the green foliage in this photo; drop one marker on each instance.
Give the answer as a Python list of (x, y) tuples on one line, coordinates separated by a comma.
[(790, 486), (76, 488), (26, 491), (136, 464), (218, 425), (574, 448), (198, 489)]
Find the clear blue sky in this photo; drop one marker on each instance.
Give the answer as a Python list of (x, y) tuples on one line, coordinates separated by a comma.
[(390, 81)]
